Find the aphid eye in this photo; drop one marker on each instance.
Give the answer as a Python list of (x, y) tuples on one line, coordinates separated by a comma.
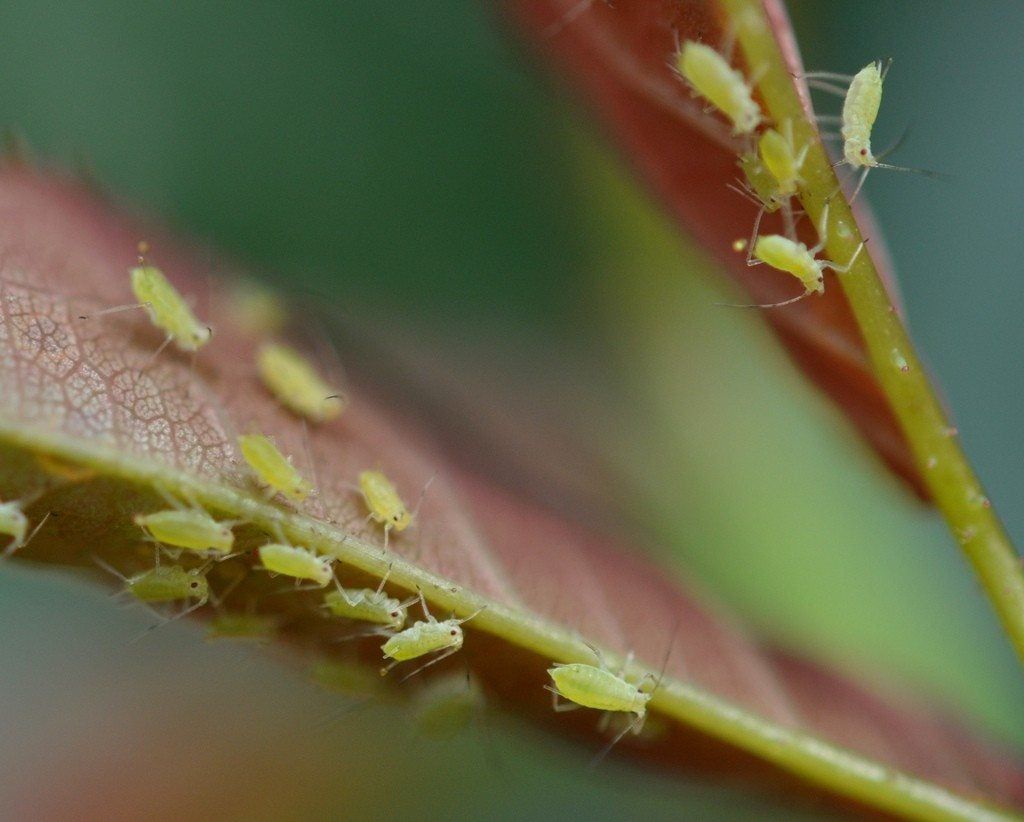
[(454, 632), (863, 152), (193, 584)]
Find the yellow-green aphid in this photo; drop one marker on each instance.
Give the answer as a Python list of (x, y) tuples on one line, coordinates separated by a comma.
[(296, 562), (759, 182), (294, 381), (598, 687), (711, 76), (14, 524), (189, 528), (167, 309), (782, 159), (273, 468), (242, 626), (428, 636), (384, 503), (254, 308), (797, 259), (367, 604), (165, 583), (860, 109)]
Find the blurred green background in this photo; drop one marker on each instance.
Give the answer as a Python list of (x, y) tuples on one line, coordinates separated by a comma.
[(407, 156)]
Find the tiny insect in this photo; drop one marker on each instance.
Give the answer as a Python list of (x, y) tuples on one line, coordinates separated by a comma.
[(431, 636), (601, 688), (167, 309), (191, 529), (165, 583), (710, 75), (773, 176), (273, 468), (296, 562), (384, 503), (14, 524), (368, 605), (862, 100), (296, 384), (797, 259)]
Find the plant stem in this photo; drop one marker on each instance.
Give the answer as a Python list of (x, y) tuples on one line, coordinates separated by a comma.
[(937, 453)]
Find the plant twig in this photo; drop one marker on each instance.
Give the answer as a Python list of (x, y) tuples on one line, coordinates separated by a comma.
[(933, 440)]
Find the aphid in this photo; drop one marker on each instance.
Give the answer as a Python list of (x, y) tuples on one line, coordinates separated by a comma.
[(294, 381), (862, 99), (797, 259), (239, 626), (14, 524), (297, 562), (167, 309), (384, 503), (189, 528), (272, 467), (255, 308), (165, 583), (368, 605), (603, 689), (710, 75), (773, 175), (443, 638)]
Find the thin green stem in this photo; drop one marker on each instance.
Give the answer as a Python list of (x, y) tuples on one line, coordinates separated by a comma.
[(932, 438)]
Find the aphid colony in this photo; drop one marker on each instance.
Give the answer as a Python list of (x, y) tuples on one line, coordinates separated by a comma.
[(773, 163)]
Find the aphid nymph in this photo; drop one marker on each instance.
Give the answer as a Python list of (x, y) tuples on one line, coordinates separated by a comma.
[(296, 562), (429, 636), (191, 529), (384, 503), (368, 605), (710, 75), (273, 468), (295, 382), (165, 583)]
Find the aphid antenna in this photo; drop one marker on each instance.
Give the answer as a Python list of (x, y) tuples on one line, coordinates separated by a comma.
[(425, 665), (766, 305), (160, 350), (746, 195), (110, 569), (475, 613), (423, 493)]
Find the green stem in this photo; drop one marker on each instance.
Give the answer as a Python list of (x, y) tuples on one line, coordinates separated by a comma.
[(937, 453)]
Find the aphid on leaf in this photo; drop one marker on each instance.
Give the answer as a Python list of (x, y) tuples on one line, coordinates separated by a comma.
[(273, 468), (710, 75), (191, 529), (797, 259), (296, 384), (443, 638), (14, 524), (384, 503), (862, 99), (368, 605), (601, 688), (167, 309), (296, 562)]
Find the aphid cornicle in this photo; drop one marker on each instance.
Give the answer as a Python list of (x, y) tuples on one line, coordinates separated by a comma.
[(273, 468), (367, 604), (296, 384), (711, 76), (296, 562), (431, 636)]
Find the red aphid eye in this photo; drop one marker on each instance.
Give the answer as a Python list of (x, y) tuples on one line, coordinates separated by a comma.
[(863, 152)]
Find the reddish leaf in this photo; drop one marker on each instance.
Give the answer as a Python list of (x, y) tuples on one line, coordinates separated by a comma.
[(88, 422), (621, 56)]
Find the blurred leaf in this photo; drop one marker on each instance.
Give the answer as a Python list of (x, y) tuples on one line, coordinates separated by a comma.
[(90, 426), (621, 56)]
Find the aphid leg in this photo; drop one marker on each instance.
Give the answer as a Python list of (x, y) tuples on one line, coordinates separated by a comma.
[(14, 546), (820, 85), (788, 223), (822, 232), (385, 579), (152, 357), (109, 569), (434, 661), (860, 184), (598, 656), (746, 195), (842, 269), (753, 239), (423, 493), (633, 727), (560, 707)]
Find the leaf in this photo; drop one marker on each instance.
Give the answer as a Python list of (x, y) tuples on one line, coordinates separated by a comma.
[(621, 57), (91, 425)]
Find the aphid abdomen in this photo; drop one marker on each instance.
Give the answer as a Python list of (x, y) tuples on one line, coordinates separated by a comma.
[(723, 86), (781, 161), (296, 384), (786, 255), (860, 109), (296, 562), (597, 688), (423, 638), (192, 530)]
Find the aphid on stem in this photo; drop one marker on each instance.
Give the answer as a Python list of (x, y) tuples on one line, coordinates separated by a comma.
[(273, 468), (189, 529), (711, 77), (442, 638), (385, 504), (296, 562), (368, 605), (294, 381), (797, 259), (165, 583)]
